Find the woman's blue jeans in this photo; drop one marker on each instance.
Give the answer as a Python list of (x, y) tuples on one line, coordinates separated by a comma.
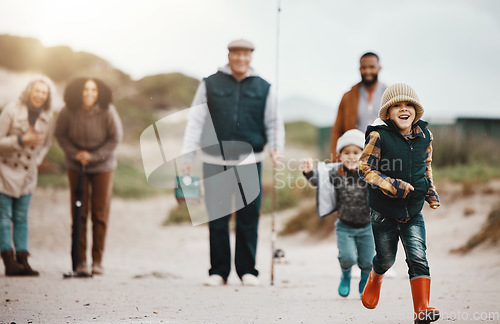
[(356, 246), (387, 232), (14, 211)]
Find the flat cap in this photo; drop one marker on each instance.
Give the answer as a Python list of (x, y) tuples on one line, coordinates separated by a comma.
[(241, 44)]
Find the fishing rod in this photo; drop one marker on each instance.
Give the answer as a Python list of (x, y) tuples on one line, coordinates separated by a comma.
[(274, 195)]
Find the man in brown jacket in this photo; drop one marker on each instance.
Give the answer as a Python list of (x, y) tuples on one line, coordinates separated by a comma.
[(359, 106)]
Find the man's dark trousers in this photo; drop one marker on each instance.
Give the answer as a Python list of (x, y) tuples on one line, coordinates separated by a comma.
[(247, 223)]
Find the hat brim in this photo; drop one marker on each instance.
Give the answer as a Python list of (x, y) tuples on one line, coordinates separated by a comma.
[(419, 110), (236, 48)]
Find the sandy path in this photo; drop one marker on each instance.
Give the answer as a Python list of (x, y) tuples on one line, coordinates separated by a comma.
[(154, 274)]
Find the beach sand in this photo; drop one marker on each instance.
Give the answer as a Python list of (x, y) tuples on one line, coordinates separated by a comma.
[(155, 273)]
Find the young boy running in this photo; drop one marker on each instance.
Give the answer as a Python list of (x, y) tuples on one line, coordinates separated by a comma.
[(396, 162), (350, 198)]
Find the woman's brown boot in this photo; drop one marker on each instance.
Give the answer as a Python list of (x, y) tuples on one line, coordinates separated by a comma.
[(12, 268), (22, 259)]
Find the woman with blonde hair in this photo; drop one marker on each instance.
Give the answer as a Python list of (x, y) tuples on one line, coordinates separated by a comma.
[(25, 137)]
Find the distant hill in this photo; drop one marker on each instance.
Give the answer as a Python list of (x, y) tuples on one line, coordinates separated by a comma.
[(164, 91), (61, 64)]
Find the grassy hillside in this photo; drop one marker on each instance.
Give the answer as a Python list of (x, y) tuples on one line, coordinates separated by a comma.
[(164, 91), (301, 133), (61, 64), (137, 102)]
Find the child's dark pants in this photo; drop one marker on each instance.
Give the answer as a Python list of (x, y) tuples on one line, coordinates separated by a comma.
[(387, 231)]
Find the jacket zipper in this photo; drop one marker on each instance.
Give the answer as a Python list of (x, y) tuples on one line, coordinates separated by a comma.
[(411, 161), (237, 109), (409, 177)]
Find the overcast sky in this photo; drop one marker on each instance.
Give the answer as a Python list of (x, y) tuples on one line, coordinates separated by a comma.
[(448, 50)]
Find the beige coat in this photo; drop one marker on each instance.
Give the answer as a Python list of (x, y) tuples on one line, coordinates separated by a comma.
[(19, 164)]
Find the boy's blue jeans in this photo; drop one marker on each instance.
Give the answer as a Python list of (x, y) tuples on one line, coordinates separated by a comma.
[(14, 211), (356, 246), (387, 232)]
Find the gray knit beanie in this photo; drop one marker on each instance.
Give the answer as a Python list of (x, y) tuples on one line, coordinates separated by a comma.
[(397, 93), (351, 137)]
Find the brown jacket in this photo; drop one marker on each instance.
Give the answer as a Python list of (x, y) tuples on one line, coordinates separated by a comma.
[(19, 164), (99, 131), (347, 118)]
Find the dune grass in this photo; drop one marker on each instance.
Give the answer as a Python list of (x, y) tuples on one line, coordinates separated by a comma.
[(301, 134), (129, 180), (458, 157), (307, 220), (490, 233)]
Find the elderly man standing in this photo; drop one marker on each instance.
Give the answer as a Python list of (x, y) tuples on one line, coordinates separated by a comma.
[(359, 106), (242, 108)]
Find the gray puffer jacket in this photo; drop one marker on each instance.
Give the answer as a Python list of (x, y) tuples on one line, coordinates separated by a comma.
[(342, 190)]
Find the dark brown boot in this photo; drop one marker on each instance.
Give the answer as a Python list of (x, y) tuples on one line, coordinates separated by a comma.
[(12, 268), (22, 259)]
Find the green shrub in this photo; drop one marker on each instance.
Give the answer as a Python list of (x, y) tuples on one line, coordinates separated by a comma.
[(287, 196), (135, 119), (307, 220), (474, 172), (451, 147), (177, 215), (301, 134), (164, 91), (53, 180), (130, 181), (56, 157)]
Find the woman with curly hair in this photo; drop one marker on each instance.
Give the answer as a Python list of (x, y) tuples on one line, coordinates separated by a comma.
[(89, 130), (25, 137)]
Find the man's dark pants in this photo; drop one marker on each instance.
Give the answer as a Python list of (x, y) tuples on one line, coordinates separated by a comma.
[(247, 223)]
